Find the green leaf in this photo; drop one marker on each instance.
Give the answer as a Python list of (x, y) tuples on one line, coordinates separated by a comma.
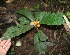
[(68, 15), (23, 20), (11, 51), (16, 31), (40, 36), (41, 43), (40, 46), (26, 13), (36, 6), (39, 16), (63, 1), (53, 19)]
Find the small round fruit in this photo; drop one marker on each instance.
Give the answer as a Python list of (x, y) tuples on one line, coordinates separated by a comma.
[(35, 22), (38, 25)]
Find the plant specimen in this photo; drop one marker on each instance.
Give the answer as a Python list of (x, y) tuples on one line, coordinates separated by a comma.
[(29, 20)]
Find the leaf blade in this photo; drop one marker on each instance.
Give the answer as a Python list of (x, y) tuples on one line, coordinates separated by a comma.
[(23, 20), (40, 46), (53, 19), (26, 13), (16, 31), (39, 15)]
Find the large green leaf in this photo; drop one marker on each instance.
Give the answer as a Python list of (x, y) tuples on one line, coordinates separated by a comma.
[(26, 13), (40, 42), (53, 19), (39, 16), (23, 20), (16, 31), (40, 46)]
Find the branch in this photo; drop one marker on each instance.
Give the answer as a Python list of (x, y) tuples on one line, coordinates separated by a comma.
[(67, 22)]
